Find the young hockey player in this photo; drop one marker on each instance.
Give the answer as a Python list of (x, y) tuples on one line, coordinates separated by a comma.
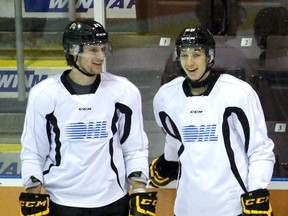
[(83, 140), (216, 138)]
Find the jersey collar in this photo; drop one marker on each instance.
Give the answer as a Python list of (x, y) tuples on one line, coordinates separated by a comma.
[(70, 89)]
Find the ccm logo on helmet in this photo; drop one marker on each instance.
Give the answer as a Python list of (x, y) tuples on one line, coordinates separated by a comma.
[(100, 34), (190, 30), (188, 38)]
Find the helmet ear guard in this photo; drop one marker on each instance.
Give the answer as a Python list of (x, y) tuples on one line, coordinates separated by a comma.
[(175, 56), (211, 56), (74, 49)]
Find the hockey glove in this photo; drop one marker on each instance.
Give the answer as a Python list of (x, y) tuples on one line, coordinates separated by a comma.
[(162, 172), (256, 203), (34, 204), (142, 204)]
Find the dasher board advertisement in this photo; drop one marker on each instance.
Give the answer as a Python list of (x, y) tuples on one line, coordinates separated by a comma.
[(59, 8)]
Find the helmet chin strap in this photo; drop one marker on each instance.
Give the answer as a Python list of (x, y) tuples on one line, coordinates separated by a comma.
[(82, 71)]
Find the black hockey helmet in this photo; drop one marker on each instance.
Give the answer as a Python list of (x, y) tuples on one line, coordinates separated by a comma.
[(79, 33), (196, 37), (83, 32)]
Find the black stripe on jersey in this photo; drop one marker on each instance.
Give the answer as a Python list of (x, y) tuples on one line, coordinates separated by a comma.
[(226, 136), (174, 133), (165, 118), (52, 121), (127, 123), (127, 128), (114, 168)]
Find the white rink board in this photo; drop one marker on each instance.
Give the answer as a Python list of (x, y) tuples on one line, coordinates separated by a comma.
[(17, 182), (274, 185), (11, 182)]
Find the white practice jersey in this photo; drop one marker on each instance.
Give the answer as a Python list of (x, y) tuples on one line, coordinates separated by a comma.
[(83, 147), (208, 134)]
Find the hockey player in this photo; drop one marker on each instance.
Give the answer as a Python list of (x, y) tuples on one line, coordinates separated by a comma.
[(216, 132), (83, 140)]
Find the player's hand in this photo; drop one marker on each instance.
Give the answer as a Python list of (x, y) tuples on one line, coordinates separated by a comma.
[(158, 178), (34, 204), (143, 204), (162, 172), (256, 203)]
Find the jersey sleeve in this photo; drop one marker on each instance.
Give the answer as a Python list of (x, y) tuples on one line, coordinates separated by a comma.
[(34, 140), (135, 145), (157, 107), (171, 148), (171, 143), (260, 154)]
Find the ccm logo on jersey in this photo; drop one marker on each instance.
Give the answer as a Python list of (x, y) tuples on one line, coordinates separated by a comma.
[(85, 108), (196, 111)]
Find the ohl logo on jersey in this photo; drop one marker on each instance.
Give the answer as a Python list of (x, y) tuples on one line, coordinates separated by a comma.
[(199, 133), (87, 130)]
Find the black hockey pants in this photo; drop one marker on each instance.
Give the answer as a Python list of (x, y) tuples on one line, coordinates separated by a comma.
[(118, 208)]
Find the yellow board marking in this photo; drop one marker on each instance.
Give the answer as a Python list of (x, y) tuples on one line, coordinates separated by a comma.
[(34, 63), (10, 147)]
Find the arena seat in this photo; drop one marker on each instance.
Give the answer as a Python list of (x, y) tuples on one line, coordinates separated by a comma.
[(272, 86), (277, 131), (277, 52), (238, 72)]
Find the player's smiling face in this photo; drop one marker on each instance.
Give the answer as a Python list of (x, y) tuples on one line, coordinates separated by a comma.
[(194, 62), (92, 58)]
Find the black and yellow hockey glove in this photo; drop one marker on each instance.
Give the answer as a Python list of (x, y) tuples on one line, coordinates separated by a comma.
[(256, 203), (162, 172), (34, 204), (143, 204)]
